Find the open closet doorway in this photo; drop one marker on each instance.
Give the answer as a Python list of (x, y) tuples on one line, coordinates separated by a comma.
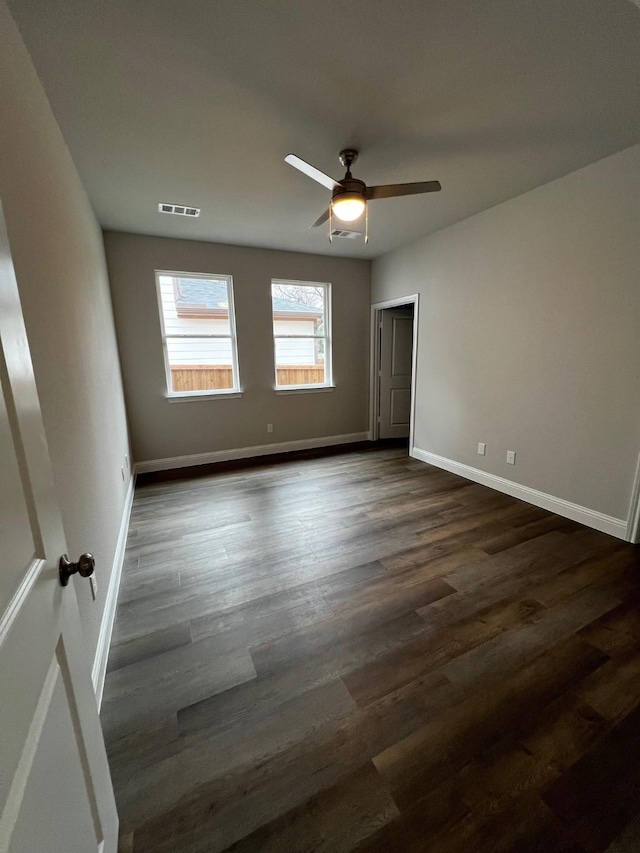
[(394, 340)]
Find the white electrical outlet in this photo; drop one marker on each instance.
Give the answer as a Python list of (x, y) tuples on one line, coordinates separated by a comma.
[(511, 457), (482, 448), (94, 587), (126, 461), (269, 427)]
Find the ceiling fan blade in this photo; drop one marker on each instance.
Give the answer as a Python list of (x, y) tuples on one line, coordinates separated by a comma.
[(320, 219), (311, 171), (392, 190)]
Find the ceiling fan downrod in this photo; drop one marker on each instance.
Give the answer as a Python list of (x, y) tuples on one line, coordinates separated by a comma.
[(348, 157)]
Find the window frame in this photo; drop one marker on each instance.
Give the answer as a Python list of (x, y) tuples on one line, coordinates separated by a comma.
[(328, 383), (208, 393)]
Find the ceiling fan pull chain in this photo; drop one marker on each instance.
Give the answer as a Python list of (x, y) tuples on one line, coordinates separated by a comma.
[(330, 222), (366, 224)]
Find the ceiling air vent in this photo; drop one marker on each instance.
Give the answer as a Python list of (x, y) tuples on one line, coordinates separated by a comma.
[(348, 235), (179, 209)]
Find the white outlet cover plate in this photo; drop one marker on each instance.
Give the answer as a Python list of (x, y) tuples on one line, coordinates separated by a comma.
[(511, 457), (482, 447)]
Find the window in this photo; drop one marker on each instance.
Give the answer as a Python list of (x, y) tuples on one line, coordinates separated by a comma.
[(198, 333), (301, 333)]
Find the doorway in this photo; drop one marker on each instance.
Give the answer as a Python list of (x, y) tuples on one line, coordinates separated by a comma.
[(394, 345)]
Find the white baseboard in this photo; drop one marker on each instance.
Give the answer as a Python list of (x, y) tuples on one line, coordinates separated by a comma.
[(99, 669), (589, 517), (247, 452)]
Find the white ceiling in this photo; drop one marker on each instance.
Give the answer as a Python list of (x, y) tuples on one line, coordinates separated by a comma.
[(198, 101)]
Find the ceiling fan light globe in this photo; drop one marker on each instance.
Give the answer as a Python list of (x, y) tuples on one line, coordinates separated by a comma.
[(348, 206)]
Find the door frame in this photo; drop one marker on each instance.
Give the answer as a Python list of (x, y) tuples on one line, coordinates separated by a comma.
[(633, 518), (374, 363)]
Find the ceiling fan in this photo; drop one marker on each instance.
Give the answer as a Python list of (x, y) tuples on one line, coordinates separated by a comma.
[(349, 196)]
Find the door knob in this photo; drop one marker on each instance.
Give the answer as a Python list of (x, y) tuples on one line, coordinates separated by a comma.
[(84, 567)]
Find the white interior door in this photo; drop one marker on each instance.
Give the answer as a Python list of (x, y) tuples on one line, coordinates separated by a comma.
[(396, 351), (55, 788)]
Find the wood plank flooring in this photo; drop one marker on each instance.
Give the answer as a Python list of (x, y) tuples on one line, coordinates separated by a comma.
[(359, 652)]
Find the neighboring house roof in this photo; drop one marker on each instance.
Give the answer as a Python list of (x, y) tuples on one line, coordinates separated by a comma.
[(197, 293), (285, 306), (211, 295)]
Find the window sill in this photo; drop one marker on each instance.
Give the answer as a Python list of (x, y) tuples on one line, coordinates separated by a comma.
[(305, 389), (190, 396)]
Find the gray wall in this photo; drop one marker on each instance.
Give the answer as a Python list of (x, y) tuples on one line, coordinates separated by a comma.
[(59, 259), (161, 429), (529, 336)]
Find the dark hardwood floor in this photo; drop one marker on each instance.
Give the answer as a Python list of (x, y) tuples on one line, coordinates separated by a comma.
[(359, 652)]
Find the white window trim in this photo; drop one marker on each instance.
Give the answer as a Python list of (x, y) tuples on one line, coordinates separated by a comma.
[(212, 393), (328, 384), (190, 396), (302, 389)]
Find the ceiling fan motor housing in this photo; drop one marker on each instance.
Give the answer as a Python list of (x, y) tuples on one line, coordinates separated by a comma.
[(349, 187)]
